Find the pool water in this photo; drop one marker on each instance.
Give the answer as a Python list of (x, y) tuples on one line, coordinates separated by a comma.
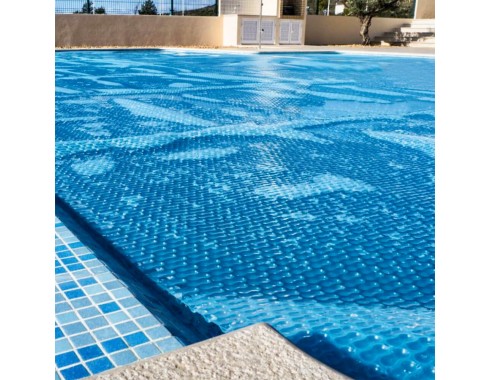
[(293, 189)]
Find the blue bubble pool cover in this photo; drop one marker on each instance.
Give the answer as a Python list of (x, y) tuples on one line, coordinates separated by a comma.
[(293, 189)]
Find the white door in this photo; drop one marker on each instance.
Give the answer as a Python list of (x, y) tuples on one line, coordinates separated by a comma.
[(251, 31), (268, 28), (290, 32)]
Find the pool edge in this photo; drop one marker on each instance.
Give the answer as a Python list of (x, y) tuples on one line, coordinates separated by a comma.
[(256, 351)]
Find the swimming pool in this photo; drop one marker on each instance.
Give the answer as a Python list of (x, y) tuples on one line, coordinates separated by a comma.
[(293, 189)]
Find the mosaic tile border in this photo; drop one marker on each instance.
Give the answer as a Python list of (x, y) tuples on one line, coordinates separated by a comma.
[(99, 323)]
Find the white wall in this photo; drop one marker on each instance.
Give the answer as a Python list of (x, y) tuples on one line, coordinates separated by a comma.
[(270, 7), (230, 30), (249, 7)]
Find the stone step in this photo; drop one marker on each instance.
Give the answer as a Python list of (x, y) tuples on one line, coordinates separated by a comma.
[(420, 25), (418, 33), (424, 42), (395, 39), (414, 34)]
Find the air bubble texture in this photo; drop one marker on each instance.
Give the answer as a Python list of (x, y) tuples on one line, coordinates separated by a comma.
[(293, 189)]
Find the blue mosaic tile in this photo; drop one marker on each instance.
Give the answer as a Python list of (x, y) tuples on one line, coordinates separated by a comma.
[(63, 278), (76, 245), (105, 333), (94, 289), (106, 277), (123, 357), (136, 339), (90, 352), (94, 323), (121, 293), (66, 359), (148, 321), (60, 248), (101, 334), (76, 372), (128, 302), (101, 298), (75, 267), (68, 285), (76, 293), (64, 254), (93, 264), (113, 285), (146, 350), (62, 307), (69, 260), (99, 269), (81, 273), (169, 344), (81, 250), (158, 332), (62, 345), (87, 258), (117, 317), (138, 311), (99, 365), (87, 281), (82, 302), (88, 312), (66, 318), (60, 270), (74, 328), (126, 327), (109, 307), (82, 340), (113, 345), (58, 333)]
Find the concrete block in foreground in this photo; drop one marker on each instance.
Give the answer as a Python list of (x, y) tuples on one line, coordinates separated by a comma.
[(254, 352)]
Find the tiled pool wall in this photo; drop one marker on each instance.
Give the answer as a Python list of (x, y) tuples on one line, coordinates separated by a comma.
[(99, 323)]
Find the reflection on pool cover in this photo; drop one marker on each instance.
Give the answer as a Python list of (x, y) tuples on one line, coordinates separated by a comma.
[(292, 189)]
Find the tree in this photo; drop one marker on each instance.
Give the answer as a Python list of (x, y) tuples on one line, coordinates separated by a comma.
[(148, 8), (88, 7), (365, 10)]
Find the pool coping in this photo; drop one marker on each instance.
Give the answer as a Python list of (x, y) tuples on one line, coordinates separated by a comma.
[(282, 49), (255, 352)]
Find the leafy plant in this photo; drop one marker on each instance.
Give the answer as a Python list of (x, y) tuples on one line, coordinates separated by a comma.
[(365, 10), (148, 8)]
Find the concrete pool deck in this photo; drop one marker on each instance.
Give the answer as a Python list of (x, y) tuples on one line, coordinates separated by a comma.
[(254, 352), (353, 49)]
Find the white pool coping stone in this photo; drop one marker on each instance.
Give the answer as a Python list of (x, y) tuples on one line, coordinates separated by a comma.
[(254, 49), (254, 352)]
